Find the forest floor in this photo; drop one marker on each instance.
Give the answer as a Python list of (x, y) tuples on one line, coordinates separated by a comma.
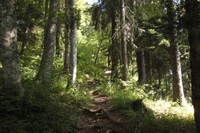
[(100, 116)]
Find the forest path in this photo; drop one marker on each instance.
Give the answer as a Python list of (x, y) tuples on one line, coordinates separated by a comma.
[(100, 117)]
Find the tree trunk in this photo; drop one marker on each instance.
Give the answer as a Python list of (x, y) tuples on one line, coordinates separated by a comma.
[(58, 33), (114, 51), (141, 67), (73, 45), (58, 40), (192, 9), (8, 49), (149, 64), (45, 70), (124, 68), (67, 40), (178, 93)]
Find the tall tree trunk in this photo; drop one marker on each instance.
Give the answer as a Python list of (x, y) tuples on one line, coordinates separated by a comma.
[(8, 49), (58, 33), (73, 45), (124, 68), (149, 65), (45, 70), (67, 40), (141, 66), (193, 17), (114, 51), (58, 40), (178, 93)]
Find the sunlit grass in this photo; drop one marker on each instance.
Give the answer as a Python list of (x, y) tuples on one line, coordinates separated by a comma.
[(162, 108), (155, 116)]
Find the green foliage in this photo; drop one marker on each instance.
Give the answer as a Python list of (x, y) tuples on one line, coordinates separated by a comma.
[(121, 96), (161, 117), (151, 116), (54, 109), (42, 109)]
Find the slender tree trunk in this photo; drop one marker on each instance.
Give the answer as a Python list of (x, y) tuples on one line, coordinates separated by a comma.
[(144, 76), (66, 52), (141, 67), (178, 93), (8, 49), (46, 13), (124, 70), (149, 64), (192, 9), (150, 68), (58, 33), (73, 45), (67, 40), (114, 51), (58, 41), (45, 70)]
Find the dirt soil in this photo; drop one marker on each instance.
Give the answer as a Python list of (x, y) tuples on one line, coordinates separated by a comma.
[(100, 117)]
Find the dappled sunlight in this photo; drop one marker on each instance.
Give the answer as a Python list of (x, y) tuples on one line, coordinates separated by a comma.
[(162, 108), (147, 115), (10, 38), (99, 66)]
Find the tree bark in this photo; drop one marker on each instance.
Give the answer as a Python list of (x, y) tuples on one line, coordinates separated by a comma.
[(73, 45), (193, 17), (114, 51), (178, 93), (45, 70), (12, 79), (58, 33), (67, 40), (124, 68), (141, 67)]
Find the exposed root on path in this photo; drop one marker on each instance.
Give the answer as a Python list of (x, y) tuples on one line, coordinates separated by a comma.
[(100, 117)]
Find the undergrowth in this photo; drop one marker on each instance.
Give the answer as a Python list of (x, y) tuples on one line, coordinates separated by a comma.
[(41, 110), (153, 116)]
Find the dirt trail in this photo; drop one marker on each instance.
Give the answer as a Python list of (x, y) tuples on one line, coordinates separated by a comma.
[(100, 117)]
